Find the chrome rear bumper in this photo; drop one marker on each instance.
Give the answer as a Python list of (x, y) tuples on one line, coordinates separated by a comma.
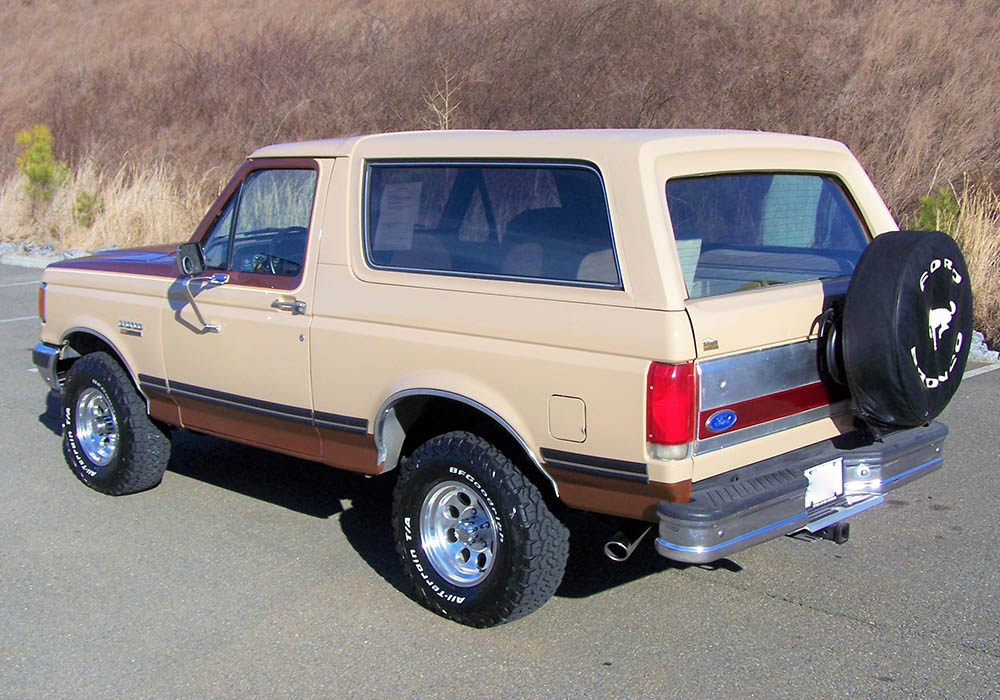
[(746, 506)]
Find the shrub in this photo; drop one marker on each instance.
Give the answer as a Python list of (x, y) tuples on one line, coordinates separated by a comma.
[(86, 207), (976, 229), (43, 172), (938, 211)]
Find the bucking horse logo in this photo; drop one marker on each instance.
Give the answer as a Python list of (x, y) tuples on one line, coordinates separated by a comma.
[(938, 321)]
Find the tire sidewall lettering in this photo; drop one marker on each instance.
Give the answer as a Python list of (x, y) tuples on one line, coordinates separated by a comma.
[(92, 471), (487, 499), (425, 575), (431, 583), (76, 454)]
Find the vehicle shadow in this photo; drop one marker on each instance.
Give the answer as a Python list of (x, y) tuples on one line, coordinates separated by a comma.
[(312, 489), (52, 417), (589, 571), (283, 481), (319, 491)]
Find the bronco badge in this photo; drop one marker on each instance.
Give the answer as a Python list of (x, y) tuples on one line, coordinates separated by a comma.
[(130, 328)]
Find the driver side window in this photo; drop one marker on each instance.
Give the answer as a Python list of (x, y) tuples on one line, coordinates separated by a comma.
[(264, 227), (216, 243)]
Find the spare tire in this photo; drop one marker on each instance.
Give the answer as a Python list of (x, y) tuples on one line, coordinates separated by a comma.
[(906, 328)]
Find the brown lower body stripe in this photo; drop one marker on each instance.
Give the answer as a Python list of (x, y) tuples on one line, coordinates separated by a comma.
[(609, 486), (340, 441), (618, 497)]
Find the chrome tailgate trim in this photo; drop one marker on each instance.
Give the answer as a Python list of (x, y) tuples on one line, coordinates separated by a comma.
[(728, 381)]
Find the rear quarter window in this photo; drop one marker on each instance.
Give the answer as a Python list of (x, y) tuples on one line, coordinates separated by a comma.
[(747, 230), (542, 222)]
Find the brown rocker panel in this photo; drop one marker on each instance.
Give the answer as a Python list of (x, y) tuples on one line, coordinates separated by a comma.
[(338, 448), (357, 452), (162, 407), (290, 437), (353, 451), (611, 496)]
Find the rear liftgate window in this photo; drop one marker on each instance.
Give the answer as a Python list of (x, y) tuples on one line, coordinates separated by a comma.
[(527, 221), (749, 230)]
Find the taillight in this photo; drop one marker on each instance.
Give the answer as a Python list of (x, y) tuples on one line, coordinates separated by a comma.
[(41, 301), (671, 408)]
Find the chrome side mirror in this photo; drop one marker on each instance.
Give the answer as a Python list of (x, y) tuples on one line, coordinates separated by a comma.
[(190, 259)]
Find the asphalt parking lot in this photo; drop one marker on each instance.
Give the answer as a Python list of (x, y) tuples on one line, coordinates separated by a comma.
[(246, 574)]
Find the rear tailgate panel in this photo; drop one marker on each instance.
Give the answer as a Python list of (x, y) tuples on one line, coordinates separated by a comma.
[(762, 373)]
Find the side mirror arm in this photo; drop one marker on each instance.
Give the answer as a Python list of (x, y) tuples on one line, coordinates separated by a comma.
[(191, 265)]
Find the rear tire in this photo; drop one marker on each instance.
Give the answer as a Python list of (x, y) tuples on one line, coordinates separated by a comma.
[(474, 534), (109, 441)]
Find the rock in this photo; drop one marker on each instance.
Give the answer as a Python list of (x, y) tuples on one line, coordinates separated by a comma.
[(980, 351)]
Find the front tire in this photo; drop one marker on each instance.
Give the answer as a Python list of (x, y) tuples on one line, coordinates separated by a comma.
[(109, 441), (474, 534)]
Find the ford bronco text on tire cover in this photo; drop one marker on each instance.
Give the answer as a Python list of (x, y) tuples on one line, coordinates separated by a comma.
[(721, 334)]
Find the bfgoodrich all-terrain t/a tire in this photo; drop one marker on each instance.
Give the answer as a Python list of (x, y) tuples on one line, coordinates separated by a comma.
[(109, 441), (474, 535)]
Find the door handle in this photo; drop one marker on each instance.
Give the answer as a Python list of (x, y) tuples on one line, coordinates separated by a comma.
[(296, 307)]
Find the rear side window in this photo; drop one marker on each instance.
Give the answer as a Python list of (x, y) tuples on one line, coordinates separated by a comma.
[(748, 230), (528, 221)]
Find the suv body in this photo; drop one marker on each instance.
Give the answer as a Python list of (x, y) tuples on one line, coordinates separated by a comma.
[(577, 304)]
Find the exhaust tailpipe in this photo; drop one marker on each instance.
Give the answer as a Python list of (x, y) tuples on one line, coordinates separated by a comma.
[(623, 543)]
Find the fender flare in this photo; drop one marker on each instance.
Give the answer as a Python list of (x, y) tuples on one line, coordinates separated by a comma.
[(64, 343), (389, 434)]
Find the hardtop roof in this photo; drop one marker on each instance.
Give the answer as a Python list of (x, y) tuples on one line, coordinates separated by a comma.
[(561, 140)]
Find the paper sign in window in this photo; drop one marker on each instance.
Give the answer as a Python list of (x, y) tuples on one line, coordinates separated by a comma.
[(399, 206)]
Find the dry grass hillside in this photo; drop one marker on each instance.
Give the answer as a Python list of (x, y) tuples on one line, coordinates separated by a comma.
[(152, 105)]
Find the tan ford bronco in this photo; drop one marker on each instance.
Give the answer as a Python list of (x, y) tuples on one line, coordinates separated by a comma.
[(720, 334)]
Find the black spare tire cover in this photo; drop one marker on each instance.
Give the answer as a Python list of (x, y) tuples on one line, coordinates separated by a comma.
[(906, 328)]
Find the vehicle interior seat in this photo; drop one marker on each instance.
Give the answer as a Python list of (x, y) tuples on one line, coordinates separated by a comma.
[(426, 253), (550, 242)]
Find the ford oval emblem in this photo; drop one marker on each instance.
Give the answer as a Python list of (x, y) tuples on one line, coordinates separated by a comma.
[(721, 420)]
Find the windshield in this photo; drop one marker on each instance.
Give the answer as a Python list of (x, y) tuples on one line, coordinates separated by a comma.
[(748, 230)]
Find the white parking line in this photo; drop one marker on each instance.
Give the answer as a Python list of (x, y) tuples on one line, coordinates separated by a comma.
[(19, 284), (981, 370), (19, 318)]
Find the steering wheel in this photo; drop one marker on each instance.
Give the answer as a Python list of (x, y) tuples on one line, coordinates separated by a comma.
[(287, 251)]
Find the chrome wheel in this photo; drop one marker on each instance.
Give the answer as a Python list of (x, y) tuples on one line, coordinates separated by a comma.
[(458, 533), (96, 426)]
